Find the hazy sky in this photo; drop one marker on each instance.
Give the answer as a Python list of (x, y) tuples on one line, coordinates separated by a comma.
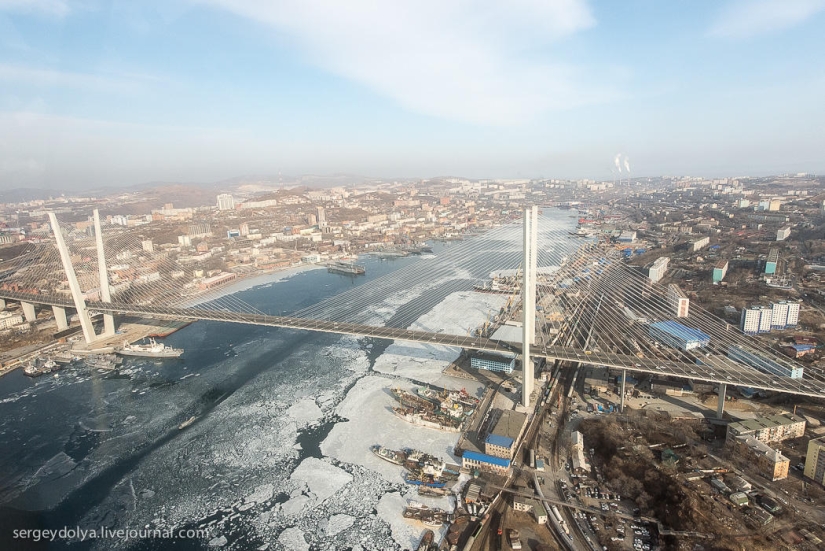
[(110, 93)]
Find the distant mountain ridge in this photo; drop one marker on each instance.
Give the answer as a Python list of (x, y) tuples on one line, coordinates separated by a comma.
[(192, 194)]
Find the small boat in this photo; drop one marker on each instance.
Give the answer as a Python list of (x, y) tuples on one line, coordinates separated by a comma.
[(41, 366), (187, 423)]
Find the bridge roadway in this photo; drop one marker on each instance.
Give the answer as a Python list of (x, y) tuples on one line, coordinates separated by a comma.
[(714, 369)]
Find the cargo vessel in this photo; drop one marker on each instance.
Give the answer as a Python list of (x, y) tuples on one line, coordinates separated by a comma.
[(152, 350)]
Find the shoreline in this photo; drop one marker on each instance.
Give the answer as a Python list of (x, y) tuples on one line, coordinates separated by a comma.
[(244, 282)]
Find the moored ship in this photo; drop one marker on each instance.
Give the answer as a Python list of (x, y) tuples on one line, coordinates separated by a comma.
[(429, 420), (41, 366), (346, 268), (394, 457), (103, 361), (412, 400), (152, 350), (424, 480)]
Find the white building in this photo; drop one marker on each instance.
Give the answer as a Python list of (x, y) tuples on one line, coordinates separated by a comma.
[(756, 319), (761, 319), (701, 243), (784, 314), (779, 315), (678, 301), (8, 319), (783, 233), (793, 314), (658, 270), (225, 202)]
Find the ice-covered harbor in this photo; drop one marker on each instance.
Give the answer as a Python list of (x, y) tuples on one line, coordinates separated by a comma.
[(241, 472), (278, 454)]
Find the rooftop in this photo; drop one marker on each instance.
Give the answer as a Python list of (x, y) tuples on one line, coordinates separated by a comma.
[(680, 331), (501, 441), (510, 424), (484, 458)]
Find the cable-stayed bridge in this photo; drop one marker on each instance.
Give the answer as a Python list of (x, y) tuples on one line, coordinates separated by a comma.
[(584, 303)]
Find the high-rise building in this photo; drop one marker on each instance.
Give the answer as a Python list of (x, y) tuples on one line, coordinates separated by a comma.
[(225, 202), (793, 314), (815, 460), (756, 319), (679, 303), (322, 217)]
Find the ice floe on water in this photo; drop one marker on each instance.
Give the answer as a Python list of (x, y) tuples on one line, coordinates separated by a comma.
[(246, 471), (322, 478), (293, 539)]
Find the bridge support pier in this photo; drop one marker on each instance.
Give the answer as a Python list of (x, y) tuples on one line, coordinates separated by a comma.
[(28, 311), (624, 379), (60, 318), (720, 407)]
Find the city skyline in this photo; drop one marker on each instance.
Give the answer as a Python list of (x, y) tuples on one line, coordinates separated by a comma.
[(109, 94)]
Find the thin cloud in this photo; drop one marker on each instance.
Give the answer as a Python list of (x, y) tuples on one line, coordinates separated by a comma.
[(57, 8), (744, 19), (468, 61), (123, 82)]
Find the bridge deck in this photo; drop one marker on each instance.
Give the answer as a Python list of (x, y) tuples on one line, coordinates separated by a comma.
[(714, 369)]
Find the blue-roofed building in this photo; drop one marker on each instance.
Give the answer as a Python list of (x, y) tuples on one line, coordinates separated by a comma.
[(499, 446), (484, 462), (677, 335), (763, 364)]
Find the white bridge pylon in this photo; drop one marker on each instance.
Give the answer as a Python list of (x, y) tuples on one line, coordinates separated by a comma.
[(528, 300), (77, 295)]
